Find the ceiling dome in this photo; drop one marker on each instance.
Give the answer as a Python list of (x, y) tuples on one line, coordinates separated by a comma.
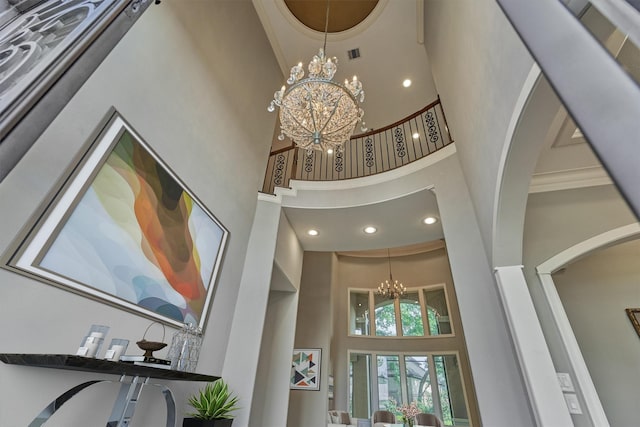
[(343, 14)]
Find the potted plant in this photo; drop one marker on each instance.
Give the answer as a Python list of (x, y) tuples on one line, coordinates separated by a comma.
[(213, 406)]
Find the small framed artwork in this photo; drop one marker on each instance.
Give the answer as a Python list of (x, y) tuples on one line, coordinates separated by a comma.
[(305, 369), (125, 230), (634, 316)]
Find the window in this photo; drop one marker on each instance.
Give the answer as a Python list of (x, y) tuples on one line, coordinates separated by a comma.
[(438, 313), (389, 387), (411, 315), (419, 382), (433, 380), (421, 312), (450, 390), (359, 385), (385, 316), (359, 313)]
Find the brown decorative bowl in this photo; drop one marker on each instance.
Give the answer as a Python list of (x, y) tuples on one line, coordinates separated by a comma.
[(150, 346)]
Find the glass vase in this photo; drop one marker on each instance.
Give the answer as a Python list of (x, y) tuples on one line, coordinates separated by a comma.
[(408, 422), (185, 348)]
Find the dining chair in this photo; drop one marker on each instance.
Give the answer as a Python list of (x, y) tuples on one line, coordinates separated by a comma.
[(381, 417), (428, 420)]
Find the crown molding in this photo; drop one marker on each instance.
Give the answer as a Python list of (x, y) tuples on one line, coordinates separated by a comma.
[(415, 249), (569, 179)]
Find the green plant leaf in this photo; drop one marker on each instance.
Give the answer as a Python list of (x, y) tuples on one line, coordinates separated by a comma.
[(214, 401)]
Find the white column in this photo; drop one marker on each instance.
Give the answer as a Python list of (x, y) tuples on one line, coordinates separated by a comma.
[(243, 350), (271, 403), (547, 402), (593, 406)]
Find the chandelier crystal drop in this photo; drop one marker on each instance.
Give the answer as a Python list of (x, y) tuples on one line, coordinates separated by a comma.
[(390, 288), (316, 112)]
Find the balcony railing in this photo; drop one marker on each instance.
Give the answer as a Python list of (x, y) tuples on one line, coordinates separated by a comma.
[(399, 144)]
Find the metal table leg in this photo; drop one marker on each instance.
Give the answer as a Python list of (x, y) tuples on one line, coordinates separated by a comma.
[(126, 402), (171, 405), (123, 408), (52, 407)]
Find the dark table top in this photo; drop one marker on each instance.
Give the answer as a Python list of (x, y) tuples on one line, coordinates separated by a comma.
[(89, 364)]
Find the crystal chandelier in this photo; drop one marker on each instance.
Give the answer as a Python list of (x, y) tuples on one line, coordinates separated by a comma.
[(316, 112), (391, 288)]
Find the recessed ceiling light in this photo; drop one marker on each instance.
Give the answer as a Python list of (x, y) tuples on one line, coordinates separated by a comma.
[(430, 220), (330, 151), (406, 82), (312, 232), (370, 230), (416, 135)]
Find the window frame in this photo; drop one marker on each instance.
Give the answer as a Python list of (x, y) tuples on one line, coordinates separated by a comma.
[(398, 316), (370, 306), (374, 402)]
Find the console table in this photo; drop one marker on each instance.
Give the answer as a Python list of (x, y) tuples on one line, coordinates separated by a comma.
[(132, 379)]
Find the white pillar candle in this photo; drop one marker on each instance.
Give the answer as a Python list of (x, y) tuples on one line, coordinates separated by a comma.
[(91, 343), (115, 352)]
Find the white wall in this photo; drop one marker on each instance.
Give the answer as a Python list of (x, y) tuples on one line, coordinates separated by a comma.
[(594, 292), (313, 330), (271, 393), (185, 78), (556, 221), (289, 255), (479, 65)]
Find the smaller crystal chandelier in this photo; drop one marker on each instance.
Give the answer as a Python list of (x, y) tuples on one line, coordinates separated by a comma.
[(391, 288), (316, 112)]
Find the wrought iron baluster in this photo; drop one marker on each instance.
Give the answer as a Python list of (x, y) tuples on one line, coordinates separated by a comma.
[(367, 154)]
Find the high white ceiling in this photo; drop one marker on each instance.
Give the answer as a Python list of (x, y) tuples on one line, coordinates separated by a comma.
[(398, 221)]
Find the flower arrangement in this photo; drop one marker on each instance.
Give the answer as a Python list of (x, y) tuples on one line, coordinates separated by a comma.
[(409, 413)]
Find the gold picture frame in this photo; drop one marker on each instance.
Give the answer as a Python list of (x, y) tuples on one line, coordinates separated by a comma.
[(634, 316)]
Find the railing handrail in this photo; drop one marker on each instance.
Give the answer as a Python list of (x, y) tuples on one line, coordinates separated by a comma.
[(399, 122), (372, 131), (283, 149), (405, 141)]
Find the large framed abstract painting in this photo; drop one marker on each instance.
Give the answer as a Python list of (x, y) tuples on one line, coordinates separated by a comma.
[(125, 230), (305, 369)]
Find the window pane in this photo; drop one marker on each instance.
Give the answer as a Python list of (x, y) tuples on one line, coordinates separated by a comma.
[(437, 312), (419, 382), (389, 393), (359, 385), (385, 313), (411, 315), (454, 408), (359, 313)]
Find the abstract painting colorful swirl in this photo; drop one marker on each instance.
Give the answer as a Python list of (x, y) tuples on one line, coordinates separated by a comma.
[(138, 235)]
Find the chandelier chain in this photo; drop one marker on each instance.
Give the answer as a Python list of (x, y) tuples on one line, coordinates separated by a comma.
[(326, 27)]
